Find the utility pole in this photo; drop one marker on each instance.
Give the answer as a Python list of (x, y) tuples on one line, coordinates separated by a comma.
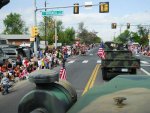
[(120, 28), (35, 24), (45, 25), (56, 34), (114, 35)]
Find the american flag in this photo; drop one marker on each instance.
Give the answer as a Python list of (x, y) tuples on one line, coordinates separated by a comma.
[(101, 52), (62, 74)]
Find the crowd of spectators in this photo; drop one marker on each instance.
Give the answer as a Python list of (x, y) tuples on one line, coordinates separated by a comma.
[(46, 59), (137, 49), (145, 50)]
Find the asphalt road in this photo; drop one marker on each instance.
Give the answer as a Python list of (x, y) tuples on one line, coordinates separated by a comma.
[(145, 63), (83, 72)]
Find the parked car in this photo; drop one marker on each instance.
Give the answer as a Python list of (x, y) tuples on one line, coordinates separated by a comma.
[(13, 53), (3, 57)]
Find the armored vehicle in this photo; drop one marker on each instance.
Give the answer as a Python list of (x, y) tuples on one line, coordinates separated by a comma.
[(118, 59), (123, 94)]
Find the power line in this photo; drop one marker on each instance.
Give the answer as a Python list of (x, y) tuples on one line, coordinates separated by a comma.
[(63, 7)]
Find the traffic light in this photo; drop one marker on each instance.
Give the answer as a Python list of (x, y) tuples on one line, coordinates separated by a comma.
[(104, 7), (128, 25), (76, 8), (3, 3), (34, 31), (113, 25)]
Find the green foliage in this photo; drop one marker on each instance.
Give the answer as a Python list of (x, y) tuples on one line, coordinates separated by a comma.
[(14, 24), (86, 36), (69, 35), (141, 36), (143, 33), (123, 37), (64, 36), (135, 37)]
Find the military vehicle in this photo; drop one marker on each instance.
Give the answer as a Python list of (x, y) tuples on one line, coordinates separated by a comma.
[(50, 95), (118, 59), (123, 94)]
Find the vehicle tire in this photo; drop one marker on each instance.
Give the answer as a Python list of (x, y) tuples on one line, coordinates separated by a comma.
[(133, 71), (104, 74)]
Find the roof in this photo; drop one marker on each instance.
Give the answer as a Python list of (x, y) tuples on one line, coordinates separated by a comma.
[(15, 36)]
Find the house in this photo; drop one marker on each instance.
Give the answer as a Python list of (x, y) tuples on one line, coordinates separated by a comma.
[(16, 39)]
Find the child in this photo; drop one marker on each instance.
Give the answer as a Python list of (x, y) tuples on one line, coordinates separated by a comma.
[(5, 83)]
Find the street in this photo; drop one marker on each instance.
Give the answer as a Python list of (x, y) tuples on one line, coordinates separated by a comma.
[(83, 72)]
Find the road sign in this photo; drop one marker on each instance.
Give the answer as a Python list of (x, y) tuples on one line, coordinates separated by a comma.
[(52, 13)]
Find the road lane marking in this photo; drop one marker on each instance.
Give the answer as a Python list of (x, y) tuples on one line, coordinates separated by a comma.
[(92, 78), (145, 71), (145, 65), (89, 81), (144, 62), (70, 62), (85, 61), (137, 55), (99, 61)]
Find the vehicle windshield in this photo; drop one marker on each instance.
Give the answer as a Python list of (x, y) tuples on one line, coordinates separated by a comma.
[(3, 41), (9, 52)]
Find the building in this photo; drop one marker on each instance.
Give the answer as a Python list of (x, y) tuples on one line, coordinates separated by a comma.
[(16, 39)]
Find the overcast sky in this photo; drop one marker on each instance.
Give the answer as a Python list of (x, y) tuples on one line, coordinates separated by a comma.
[(121, 12)]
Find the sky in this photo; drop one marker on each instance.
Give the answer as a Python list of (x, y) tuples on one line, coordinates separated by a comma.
[(121, 12)]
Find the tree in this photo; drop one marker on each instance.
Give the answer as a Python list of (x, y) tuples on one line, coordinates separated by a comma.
[(14, 24), (50, 26), (81, 26), (64, 36), (123, 37), (143, 33), (69, 35), (135, 37), (86, 36)]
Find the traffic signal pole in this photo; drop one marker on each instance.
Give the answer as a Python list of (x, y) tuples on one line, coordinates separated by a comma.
[(105, 10), (121, 28), (55, 34), (45, 25), (35, 24)]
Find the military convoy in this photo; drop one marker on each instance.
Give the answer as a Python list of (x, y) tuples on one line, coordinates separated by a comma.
[(118, 59)]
